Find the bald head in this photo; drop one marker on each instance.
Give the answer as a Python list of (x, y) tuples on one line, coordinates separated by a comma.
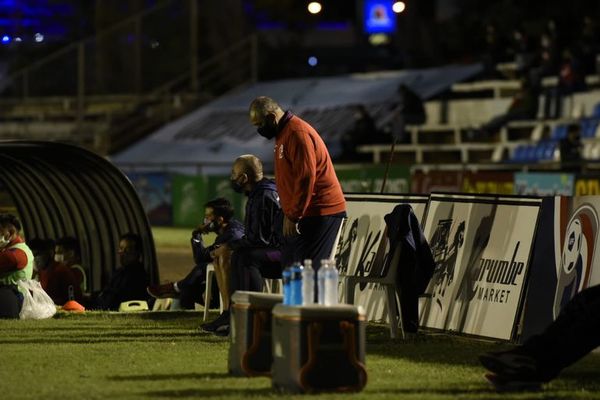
[(265, 114), (263, 105), (247, 170)]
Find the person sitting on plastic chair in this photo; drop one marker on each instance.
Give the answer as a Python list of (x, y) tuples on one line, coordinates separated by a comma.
[(129, 281), (218, 218), (574, 333), (68, 253), (16, 263), (257, 255), (57, 280)]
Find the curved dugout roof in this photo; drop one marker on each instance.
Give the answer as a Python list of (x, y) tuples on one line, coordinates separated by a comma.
[(64, 190)]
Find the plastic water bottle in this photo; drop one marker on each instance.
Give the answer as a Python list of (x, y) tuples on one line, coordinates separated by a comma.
[(285, 277), (321, 281), (331, 284), (296, 284), (308, 283)]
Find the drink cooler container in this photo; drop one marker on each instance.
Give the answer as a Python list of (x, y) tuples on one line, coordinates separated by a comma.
[(318, 348)]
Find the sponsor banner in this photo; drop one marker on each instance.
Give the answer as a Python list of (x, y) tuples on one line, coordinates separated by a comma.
[(481, 245), (361, 238), (436, 181), (220, 186), (488, 182), (587, 185), (544, 184), (565, 259), (189, 196), (154, 191), (369, 178)]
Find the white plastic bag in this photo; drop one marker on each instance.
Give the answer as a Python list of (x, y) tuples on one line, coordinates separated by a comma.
[(36, 302)]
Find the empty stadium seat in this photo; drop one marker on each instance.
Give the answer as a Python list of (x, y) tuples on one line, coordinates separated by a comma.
[(559, 132), (596, 111)]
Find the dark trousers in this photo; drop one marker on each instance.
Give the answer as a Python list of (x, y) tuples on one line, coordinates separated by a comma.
[(10, 302), (571, 336), (192, 288), (250, 265), (315, 241)]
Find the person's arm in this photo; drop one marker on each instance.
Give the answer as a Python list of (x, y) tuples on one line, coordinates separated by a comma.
[(200, 252), (302, 152), (12, 260), (269, 224)]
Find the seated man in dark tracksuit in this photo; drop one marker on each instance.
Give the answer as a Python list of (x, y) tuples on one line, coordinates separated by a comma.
[(574, 334), (257, 255), (129, 281), (218, 218)]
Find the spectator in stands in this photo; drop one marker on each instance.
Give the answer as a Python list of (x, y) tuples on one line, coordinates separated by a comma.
[(58, 280), (362, 132), (589, 45), (522, 50), (408, 110), (571, 79), (547, 60), (130, 280), (311, 196), (540, 359), (218, 218), (16, 263), (495, 50), (524, 106), (570, 152), (257, 254), (67, 252)]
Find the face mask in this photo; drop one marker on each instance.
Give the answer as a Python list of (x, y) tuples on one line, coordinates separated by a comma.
[(267, 131), (59, 258), (235, 185), (3, 242)]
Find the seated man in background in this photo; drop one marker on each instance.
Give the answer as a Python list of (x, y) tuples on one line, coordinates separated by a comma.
[(574, 334), (218, 218), (58, 280), (257, 255), (16, 263), (129, 281), (67, 252)]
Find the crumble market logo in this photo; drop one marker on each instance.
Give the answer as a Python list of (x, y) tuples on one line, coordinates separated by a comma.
[(497, 278)]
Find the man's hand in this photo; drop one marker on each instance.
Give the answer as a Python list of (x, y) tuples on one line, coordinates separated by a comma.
[(290, 228), (219, 251)]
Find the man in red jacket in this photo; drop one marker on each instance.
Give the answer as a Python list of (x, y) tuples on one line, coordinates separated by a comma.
[(310, 193)]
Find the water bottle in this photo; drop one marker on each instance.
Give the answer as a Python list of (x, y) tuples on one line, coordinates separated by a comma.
[(308, 283), (285, 277), (321, 281), (296, 284), (331, 284)]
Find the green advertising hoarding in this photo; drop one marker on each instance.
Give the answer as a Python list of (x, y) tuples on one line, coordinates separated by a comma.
[(190, 193), (369, 178)]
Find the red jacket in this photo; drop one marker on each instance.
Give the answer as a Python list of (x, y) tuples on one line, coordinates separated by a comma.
[(56, 279), (304, 174)]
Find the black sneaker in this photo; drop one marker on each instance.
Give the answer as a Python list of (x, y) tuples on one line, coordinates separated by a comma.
[(504, 384), (511, 364), (222, 330), (212, 326)]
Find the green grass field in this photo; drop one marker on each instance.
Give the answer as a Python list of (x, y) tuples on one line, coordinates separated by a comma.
[(162, 355)]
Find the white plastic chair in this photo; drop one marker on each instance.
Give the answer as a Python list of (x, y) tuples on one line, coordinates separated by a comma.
[(210, 273)]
